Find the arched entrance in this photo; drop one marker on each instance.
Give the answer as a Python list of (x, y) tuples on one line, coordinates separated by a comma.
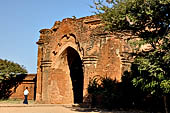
[(76, 74)]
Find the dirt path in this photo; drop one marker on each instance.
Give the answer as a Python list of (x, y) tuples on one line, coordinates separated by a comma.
[(40, 109), (18, 107)]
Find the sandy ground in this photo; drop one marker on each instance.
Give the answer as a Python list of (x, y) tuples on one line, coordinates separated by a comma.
[(19, 108), (52, 109), (40, 109)]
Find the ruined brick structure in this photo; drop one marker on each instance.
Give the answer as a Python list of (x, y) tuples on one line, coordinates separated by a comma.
[(73, 51)]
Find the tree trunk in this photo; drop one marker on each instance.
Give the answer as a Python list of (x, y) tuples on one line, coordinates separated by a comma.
[(165, 104)]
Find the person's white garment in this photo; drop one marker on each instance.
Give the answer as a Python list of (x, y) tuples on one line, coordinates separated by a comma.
[(26, 92)]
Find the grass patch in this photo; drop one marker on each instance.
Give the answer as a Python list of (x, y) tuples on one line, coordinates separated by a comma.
[(15, 101)]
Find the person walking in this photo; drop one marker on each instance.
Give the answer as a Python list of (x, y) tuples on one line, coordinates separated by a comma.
[(26, 92)]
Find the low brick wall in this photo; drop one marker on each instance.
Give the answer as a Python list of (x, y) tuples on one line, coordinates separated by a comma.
[(24, 80)]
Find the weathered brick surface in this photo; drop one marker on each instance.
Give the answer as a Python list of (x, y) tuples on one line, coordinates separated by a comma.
[(100, 53), (27, 80)]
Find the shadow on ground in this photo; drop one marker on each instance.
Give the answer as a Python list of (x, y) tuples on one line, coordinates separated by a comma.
[(80, 108)]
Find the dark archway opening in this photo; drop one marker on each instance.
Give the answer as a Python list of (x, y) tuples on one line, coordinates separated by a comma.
[(76, 74)]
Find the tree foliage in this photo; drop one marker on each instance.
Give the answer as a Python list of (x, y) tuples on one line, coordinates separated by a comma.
[(10, 69), (150, 20)]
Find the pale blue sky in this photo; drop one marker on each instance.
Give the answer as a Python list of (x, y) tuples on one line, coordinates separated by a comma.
[(21, 20)]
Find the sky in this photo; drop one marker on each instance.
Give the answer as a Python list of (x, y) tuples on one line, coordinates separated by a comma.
[(21, 21)]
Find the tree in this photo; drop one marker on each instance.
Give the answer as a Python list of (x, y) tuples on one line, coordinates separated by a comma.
[(150, 20), (8, 77), (10, 69)]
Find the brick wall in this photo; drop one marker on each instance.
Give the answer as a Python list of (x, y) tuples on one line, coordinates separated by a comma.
[(23, 81)]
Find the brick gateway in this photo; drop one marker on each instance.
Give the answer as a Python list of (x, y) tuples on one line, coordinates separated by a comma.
[(73, 51)]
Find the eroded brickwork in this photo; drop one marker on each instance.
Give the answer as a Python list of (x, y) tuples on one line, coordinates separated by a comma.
[(73, 51)]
